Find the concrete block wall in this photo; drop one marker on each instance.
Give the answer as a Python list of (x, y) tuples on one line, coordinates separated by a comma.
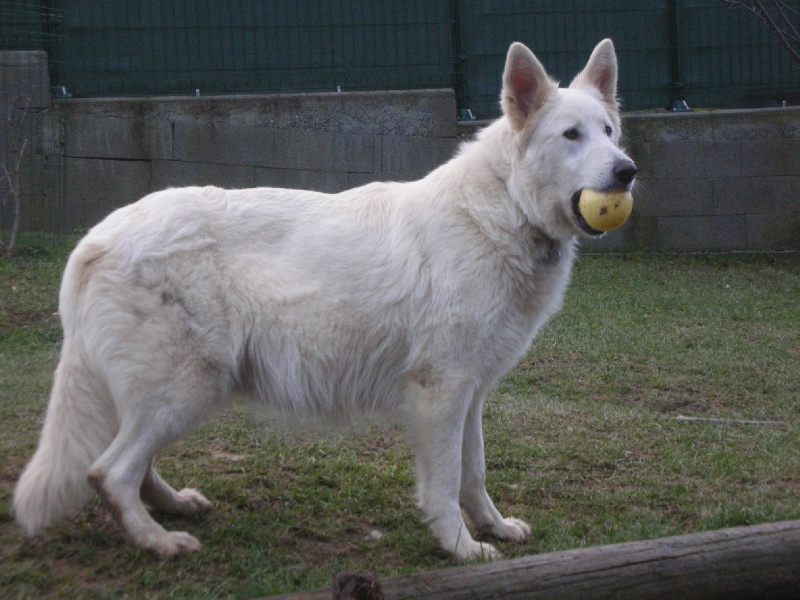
[(709, 181), (121, 149)]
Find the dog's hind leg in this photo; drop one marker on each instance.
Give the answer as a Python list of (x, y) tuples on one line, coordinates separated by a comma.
[(478, 507), (153, 415), (158, 493), (437, 426)]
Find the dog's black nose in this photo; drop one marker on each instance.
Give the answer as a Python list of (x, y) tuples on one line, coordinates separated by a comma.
[(625, 171)]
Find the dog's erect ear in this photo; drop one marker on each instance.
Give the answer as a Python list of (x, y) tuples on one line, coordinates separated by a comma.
[(526, 85), (601, 73)]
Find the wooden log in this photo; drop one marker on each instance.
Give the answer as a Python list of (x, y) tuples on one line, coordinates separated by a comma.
[(759, 561)]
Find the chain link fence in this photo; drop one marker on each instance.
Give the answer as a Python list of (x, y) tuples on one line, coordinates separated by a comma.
[(699, 51), (178, 47)]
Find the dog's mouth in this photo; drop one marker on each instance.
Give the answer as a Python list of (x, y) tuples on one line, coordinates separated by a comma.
[(588, 229)]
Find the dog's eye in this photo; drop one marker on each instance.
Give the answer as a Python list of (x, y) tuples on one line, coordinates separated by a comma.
[(609, 131), (572, 134)]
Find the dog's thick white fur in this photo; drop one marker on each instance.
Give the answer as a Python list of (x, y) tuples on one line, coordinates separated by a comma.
[(393, 297)]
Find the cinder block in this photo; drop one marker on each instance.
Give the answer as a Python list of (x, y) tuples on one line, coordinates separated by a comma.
[(43, 207), (756, 195), (687, 159), (773, 232), (97, 187), (411, 158), (674, 197), (303, 150), (326, 151), (640, 233), (704, 233), (97, 136), (764, 158), (173, 173), (318, 181), (357, 153), (222, 143)]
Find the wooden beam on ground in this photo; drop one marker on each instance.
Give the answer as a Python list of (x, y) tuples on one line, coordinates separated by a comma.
[(759, 561)]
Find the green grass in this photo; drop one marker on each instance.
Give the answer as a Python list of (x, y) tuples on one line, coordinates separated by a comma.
[(581, 439)]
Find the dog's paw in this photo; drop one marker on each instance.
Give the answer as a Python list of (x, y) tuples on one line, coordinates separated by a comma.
[(511, 529), (473, 551), (173, 543), (190, 501)]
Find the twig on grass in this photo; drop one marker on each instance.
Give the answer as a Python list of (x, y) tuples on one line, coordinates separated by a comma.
[(684, 418)]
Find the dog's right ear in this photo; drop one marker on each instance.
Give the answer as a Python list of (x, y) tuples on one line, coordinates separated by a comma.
[(526, 85)]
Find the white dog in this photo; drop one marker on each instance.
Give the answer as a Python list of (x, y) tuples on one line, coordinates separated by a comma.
[(393, 297)]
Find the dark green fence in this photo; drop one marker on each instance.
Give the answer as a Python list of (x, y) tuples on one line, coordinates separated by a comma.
[(698, 51), (695, 50), (180, 46)]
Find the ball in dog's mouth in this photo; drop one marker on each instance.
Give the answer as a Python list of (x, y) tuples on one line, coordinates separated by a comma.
[(599, 212)]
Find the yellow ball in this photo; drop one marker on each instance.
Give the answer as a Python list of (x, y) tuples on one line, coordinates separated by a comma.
[(604, 211)]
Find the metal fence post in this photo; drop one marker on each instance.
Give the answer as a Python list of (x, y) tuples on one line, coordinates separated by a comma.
[(459, 59), (678, 103)]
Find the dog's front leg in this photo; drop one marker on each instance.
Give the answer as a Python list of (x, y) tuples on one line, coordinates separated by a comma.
[(478, 507), (438, 427)]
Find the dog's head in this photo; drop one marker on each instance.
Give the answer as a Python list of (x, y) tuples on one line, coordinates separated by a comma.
[(566, 139)]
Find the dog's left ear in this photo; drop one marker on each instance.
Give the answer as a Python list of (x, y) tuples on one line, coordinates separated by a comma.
[(526, 86), (601, 73)]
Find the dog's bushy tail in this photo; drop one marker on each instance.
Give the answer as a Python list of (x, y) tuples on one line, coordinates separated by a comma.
[(79, 425)]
